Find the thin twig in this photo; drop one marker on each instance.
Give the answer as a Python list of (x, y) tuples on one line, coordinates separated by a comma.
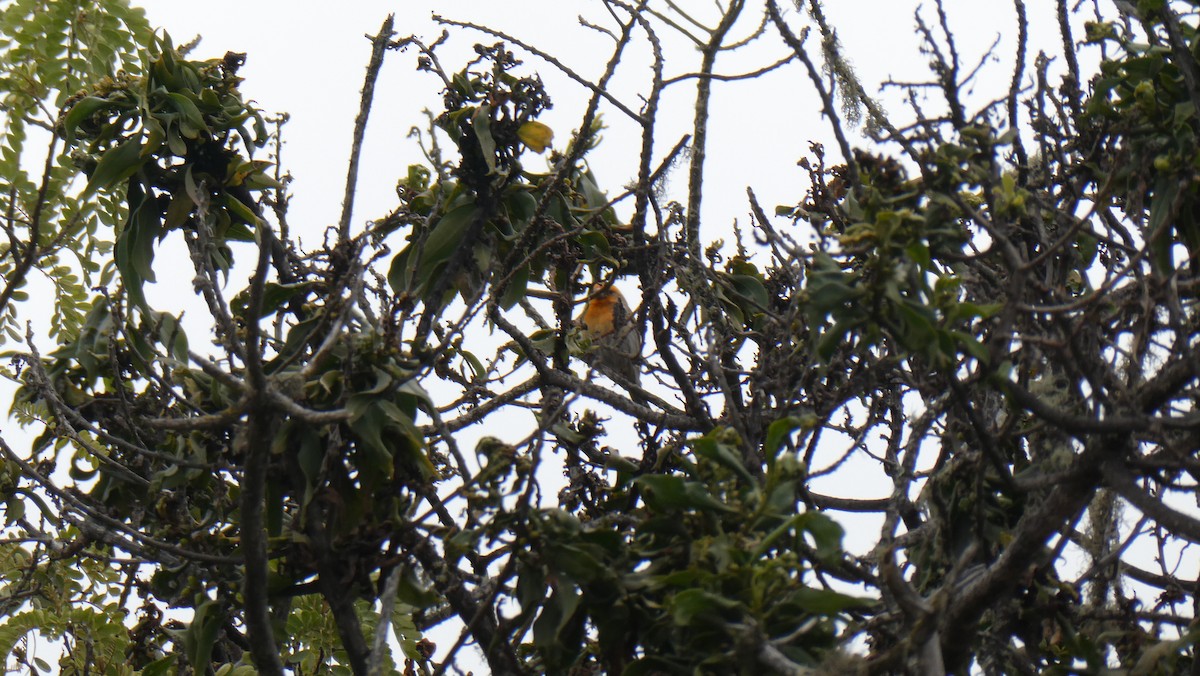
[(379, 45)]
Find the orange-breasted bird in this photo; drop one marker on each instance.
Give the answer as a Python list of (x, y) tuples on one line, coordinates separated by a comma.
[(608, 322)]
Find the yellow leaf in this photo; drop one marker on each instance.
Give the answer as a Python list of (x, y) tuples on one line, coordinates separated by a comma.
[(535, 135), (236, 175)]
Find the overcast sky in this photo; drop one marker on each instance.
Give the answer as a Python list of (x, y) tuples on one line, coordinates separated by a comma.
[(308, 59)]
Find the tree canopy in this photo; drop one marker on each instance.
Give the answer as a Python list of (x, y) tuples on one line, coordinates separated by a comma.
[(406, 431)]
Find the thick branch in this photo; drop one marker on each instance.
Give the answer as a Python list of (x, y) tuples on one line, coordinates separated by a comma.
[(479, 619), (1179, 524), (1063, 504), (256, 438), (700, 125)]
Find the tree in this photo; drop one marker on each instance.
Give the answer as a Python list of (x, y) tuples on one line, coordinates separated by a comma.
[(994, 308)]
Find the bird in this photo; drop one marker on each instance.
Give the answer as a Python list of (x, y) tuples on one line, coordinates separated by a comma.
[(607, 322)]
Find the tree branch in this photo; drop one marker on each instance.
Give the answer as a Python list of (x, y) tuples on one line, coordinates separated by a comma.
[(379, 45)]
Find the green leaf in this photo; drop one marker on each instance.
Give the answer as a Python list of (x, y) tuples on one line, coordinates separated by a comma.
[(134, 252), (201, 635), (400, 271), (1158, 231), (551, 629), (515, 291), (77, 472), (412, 591), (521, 208), (916, 325), (444, 240), (82, 111), (160, 667), (239, 209), (309, 456), (178, 210), (691, 606), (116, 165), (577, 563), (297, 337), (368, 423), (407, 633), (274, 297), (971, 345), (834, 337), (828, 292), (777, 433), (412, 395), (665, 492), (16, 626), (712, 448), (826, 533), (969, 311), (190, 113), (595, 246), (14, 508), (407, 438), (826, 601), (481, 122), (752, 289), (172, 337), (593, 196)]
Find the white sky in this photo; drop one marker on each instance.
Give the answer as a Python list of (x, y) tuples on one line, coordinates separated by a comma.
[(308, 58)]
